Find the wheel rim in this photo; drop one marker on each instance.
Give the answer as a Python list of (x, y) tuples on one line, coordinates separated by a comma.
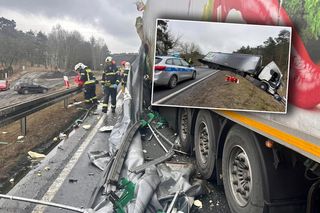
[(194, 75), (203, 142), (173, 81), (240, 176), (184, 125)]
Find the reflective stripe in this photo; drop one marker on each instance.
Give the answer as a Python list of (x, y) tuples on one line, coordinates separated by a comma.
[(104, 105), (110, 73), (113, 106), (95, 97), (292, 140), (90, 82), (87, 101)]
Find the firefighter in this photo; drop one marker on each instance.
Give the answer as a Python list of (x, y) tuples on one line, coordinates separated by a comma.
[(88, 81), (110, 81)]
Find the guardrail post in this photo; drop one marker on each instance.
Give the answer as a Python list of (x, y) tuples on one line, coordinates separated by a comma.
[(23, 125), (66, 102)]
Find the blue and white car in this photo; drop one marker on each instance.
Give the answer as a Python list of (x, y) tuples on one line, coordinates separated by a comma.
[(169, 70)]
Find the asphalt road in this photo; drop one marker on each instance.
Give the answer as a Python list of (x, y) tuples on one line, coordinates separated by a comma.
[(161, 92), (11, 97)]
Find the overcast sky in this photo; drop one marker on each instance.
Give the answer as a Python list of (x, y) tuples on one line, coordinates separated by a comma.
[(112, 20), (218, 37)]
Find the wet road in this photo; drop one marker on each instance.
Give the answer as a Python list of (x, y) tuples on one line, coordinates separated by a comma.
[(161, 92), (11, 97)]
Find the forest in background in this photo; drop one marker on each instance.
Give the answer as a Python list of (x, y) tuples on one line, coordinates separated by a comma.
[(59, 49)]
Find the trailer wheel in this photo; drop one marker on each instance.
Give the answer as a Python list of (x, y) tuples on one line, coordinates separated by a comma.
[(184, 127), (194, 75), (173, 82), (263, 86), (205, 136), (241, 171)]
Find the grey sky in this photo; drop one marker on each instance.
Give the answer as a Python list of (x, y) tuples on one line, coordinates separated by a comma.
[(219, 37), (112, 20)]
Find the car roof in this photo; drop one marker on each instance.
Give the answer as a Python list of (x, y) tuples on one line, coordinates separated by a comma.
[(167, 57)]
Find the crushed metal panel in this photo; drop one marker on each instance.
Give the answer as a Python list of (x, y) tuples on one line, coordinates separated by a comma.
[(235, 61)]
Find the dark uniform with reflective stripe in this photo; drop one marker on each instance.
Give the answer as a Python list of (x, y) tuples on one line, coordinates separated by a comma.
[(110, 81), (89, 90)]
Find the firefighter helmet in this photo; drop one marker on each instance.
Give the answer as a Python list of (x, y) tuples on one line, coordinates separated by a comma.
[(108, 59), (127, 65), (79, 66)]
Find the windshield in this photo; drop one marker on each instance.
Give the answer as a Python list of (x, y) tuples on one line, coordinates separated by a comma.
[(158, 60)]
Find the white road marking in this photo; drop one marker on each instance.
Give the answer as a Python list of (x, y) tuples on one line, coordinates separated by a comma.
[(181, 90), (49, 195)]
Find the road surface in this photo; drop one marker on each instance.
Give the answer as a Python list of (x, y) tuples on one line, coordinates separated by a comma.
[(215, 92), (11, 97), (162, 92)]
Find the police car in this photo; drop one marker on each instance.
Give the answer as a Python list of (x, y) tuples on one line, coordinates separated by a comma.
[(169, 70)]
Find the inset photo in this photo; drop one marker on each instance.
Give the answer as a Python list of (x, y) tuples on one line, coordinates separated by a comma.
[(221, 66)]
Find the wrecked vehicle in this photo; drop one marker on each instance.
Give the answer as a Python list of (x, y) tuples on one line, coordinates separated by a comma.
[(267, 78)]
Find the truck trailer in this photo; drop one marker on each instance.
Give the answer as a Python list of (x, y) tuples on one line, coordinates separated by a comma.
[(268, 78), (266, 162)]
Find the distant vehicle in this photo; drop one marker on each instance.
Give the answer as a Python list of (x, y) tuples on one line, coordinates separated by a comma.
[(4, 85), (26, 88), (170, 70)]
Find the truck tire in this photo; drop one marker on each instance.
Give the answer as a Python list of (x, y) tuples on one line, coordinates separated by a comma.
[(173, 82), (263, 86), (205, 136), (241, 170), (184, 128)]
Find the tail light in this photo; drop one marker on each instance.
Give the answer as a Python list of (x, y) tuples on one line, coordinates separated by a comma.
[(159, 68)]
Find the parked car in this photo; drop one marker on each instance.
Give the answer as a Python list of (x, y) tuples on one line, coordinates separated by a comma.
[(4, 85), (26, 88), (169, 70)]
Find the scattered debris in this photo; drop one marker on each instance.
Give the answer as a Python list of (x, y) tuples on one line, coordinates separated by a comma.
[(35, 155), (86, 127), (60, 147), (55, 139), (4, 133), (20, 137), (106, 129), (47, 168), (71, 180), (144, 151), (91, 174), (3, 143), (62, 136), (198, 204), (161, 159), (11, 180), (39, 174)]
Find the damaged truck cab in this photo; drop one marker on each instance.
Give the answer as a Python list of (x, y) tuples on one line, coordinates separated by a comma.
[(266, 162)]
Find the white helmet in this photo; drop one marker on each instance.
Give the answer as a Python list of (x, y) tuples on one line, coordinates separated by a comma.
[(127, 65), (108, 59), (77, 66)]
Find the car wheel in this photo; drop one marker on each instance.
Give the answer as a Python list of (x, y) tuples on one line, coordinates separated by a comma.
[(184, 127), (173, 82), (205, 135), (25, 91), (241, 171), (263, 86), (194, 75), (44, 90)]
